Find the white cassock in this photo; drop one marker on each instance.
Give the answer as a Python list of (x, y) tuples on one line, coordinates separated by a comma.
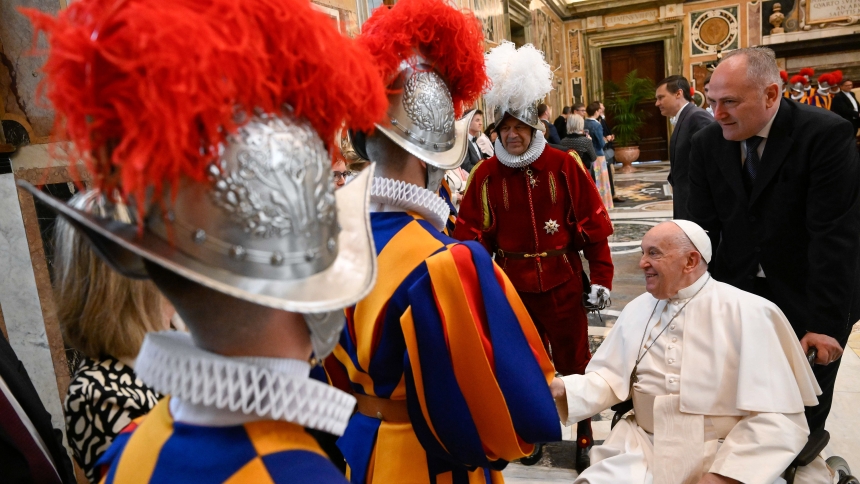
[(730, 380)]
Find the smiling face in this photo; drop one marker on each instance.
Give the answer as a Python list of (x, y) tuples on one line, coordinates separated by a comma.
[(742, 108), (668, 265), (516, 135)]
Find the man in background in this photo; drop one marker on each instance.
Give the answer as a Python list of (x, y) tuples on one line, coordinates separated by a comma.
[(608, 151), (544, 113), (845, 104), (474, 152), (776, 184), (674, 101)]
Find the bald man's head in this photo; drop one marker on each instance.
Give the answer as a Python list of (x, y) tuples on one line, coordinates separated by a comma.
[(669, 260), (744, 92)]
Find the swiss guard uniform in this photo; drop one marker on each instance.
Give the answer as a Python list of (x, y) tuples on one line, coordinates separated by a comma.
[(221, 148), (786, 91), (534, 212), (797, 90), (821, 97), (448, 369)]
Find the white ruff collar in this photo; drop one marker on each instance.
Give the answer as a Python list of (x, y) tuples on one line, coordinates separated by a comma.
[(407, 196), (268, 388), (525, 159)]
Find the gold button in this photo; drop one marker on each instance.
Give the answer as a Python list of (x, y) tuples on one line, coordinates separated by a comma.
[(379, 415)]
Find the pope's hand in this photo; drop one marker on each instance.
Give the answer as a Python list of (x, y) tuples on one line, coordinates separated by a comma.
[(599, 295), (717, 479), (828, 348), (556, 386)]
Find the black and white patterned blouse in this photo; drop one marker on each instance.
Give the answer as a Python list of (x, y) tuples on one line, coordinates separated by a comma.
[(104, 396)]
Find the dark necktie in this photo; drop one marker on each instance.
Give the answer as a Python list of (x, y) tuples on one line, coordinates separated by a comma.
[(40, 467), (751, 165)]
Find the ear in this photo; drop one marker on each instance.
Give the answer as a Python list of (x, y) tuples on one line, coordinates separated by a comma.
[(694, 258), (772, 94)]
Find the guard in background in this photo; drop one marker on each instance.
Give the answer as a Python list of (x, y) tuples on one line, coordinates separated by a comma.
[(534, 208)]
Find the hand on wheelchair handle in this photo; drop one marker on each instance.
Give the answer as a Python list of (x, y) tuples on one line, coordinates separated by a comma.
[(599, 296), (828, 348)]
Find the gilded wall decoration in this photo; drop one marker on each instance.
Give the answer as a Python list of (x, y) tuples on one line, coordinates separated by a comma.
[(713, 30), (492, 17), (575, 60), (836, 13), (344, 18)]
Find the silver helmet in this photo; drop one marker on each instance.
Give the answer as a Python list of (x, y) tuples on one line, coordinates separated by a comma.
[(421, 116), (267, 228)]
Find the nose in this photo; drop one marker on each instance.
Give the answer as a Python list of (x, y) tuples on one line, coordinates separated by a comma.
[(719, 110), (643, 263)]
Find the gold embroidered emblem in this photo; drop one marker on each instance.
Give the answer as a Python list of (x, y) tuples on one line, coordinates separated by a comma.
[(552, 190), (505, 193), (485, 202)]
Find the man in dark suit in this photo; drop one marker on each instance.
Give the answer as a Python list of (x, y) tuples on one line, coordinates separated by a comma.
[(674, 101), (544, 113), (777, 186), (845, 104), (560, 122), (31, 450)]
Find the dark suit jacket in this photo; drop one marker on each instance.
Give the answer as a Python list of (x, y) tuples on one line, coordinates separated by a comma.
[(551, 133), (473, 155), (842, 106), (801, 221), (13, 466), (560, 126), (690, 121)]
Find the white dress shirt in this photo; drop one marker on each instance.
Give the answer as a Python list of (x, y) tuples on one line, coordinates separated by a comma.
[(851, 98), (674, 119)]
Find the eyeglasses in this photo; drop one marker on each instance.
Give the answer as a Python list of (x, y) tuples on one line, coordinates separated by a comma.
[(341, 174)]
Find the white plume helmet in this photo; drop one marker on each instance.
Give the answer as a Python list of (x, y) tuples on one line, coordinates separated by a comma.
[(520, 78)]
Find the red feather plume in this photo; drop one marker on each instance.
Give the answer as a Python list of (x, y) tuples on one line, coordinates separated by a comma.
[(147, 91), (784, 76), (451, 40), (797, 79), (827, 78), (807, 72), (837, 77)]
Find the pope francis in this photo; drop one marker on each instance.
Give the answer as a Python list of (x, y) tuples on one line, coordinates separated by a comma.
[(717, 377)]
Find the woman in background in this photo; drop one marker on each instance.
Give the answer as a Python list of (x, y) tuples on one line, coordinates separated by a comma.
[(576, 139), (601, 170), (104, 316)]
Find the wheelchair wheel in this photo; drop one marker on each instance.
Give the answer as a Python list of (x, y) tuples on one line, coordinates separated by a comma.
[(840, 467), (534, 458), (848, 480)]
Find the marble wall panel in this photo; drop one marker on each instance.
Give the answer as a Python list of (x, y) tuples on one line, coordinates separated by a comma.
[(19, 298), (19, 69)]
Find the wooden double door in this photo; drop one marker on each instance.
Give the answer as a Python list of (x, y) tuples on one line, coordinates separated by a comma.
[(649, 61)]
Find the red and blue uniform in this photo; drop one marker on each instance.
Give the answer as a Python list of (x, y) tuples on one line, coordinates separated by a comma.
[(156, 449), (444, 333)]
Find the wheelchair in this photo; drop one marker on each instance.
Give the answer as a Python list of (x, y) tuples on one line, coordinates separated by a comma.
[(815, 444)]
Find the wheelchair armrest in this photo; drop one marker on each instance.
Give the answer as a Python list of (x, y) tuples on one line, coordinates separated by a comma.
[(623, 407), (620, 409), (814, 445)]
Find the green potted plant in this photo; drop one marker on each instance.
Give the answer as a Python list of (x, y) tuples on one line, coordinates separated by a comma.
[(623, 103)]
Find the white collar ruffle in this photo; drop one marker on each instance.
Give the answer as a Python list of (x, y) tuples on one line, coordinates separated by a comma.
[(527, 158), (409, 197), (213, 390)]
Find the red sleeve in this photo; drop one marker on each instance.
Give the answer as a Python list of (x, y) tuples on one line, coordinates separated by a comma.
[(592, 221), (470, 223)]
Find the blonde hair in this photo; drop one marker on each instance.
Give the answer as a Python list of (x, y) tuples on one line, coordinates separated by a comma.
[(575, 124), (101, 312)]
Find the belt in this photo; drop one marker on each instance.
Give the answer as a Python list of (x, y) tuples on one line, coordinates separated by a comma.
[(525, 255), (716, 427), (384, 409)]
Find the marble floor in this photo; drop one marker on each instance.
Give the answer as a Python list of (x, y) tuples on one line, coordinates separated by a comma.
[(647, 202)]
